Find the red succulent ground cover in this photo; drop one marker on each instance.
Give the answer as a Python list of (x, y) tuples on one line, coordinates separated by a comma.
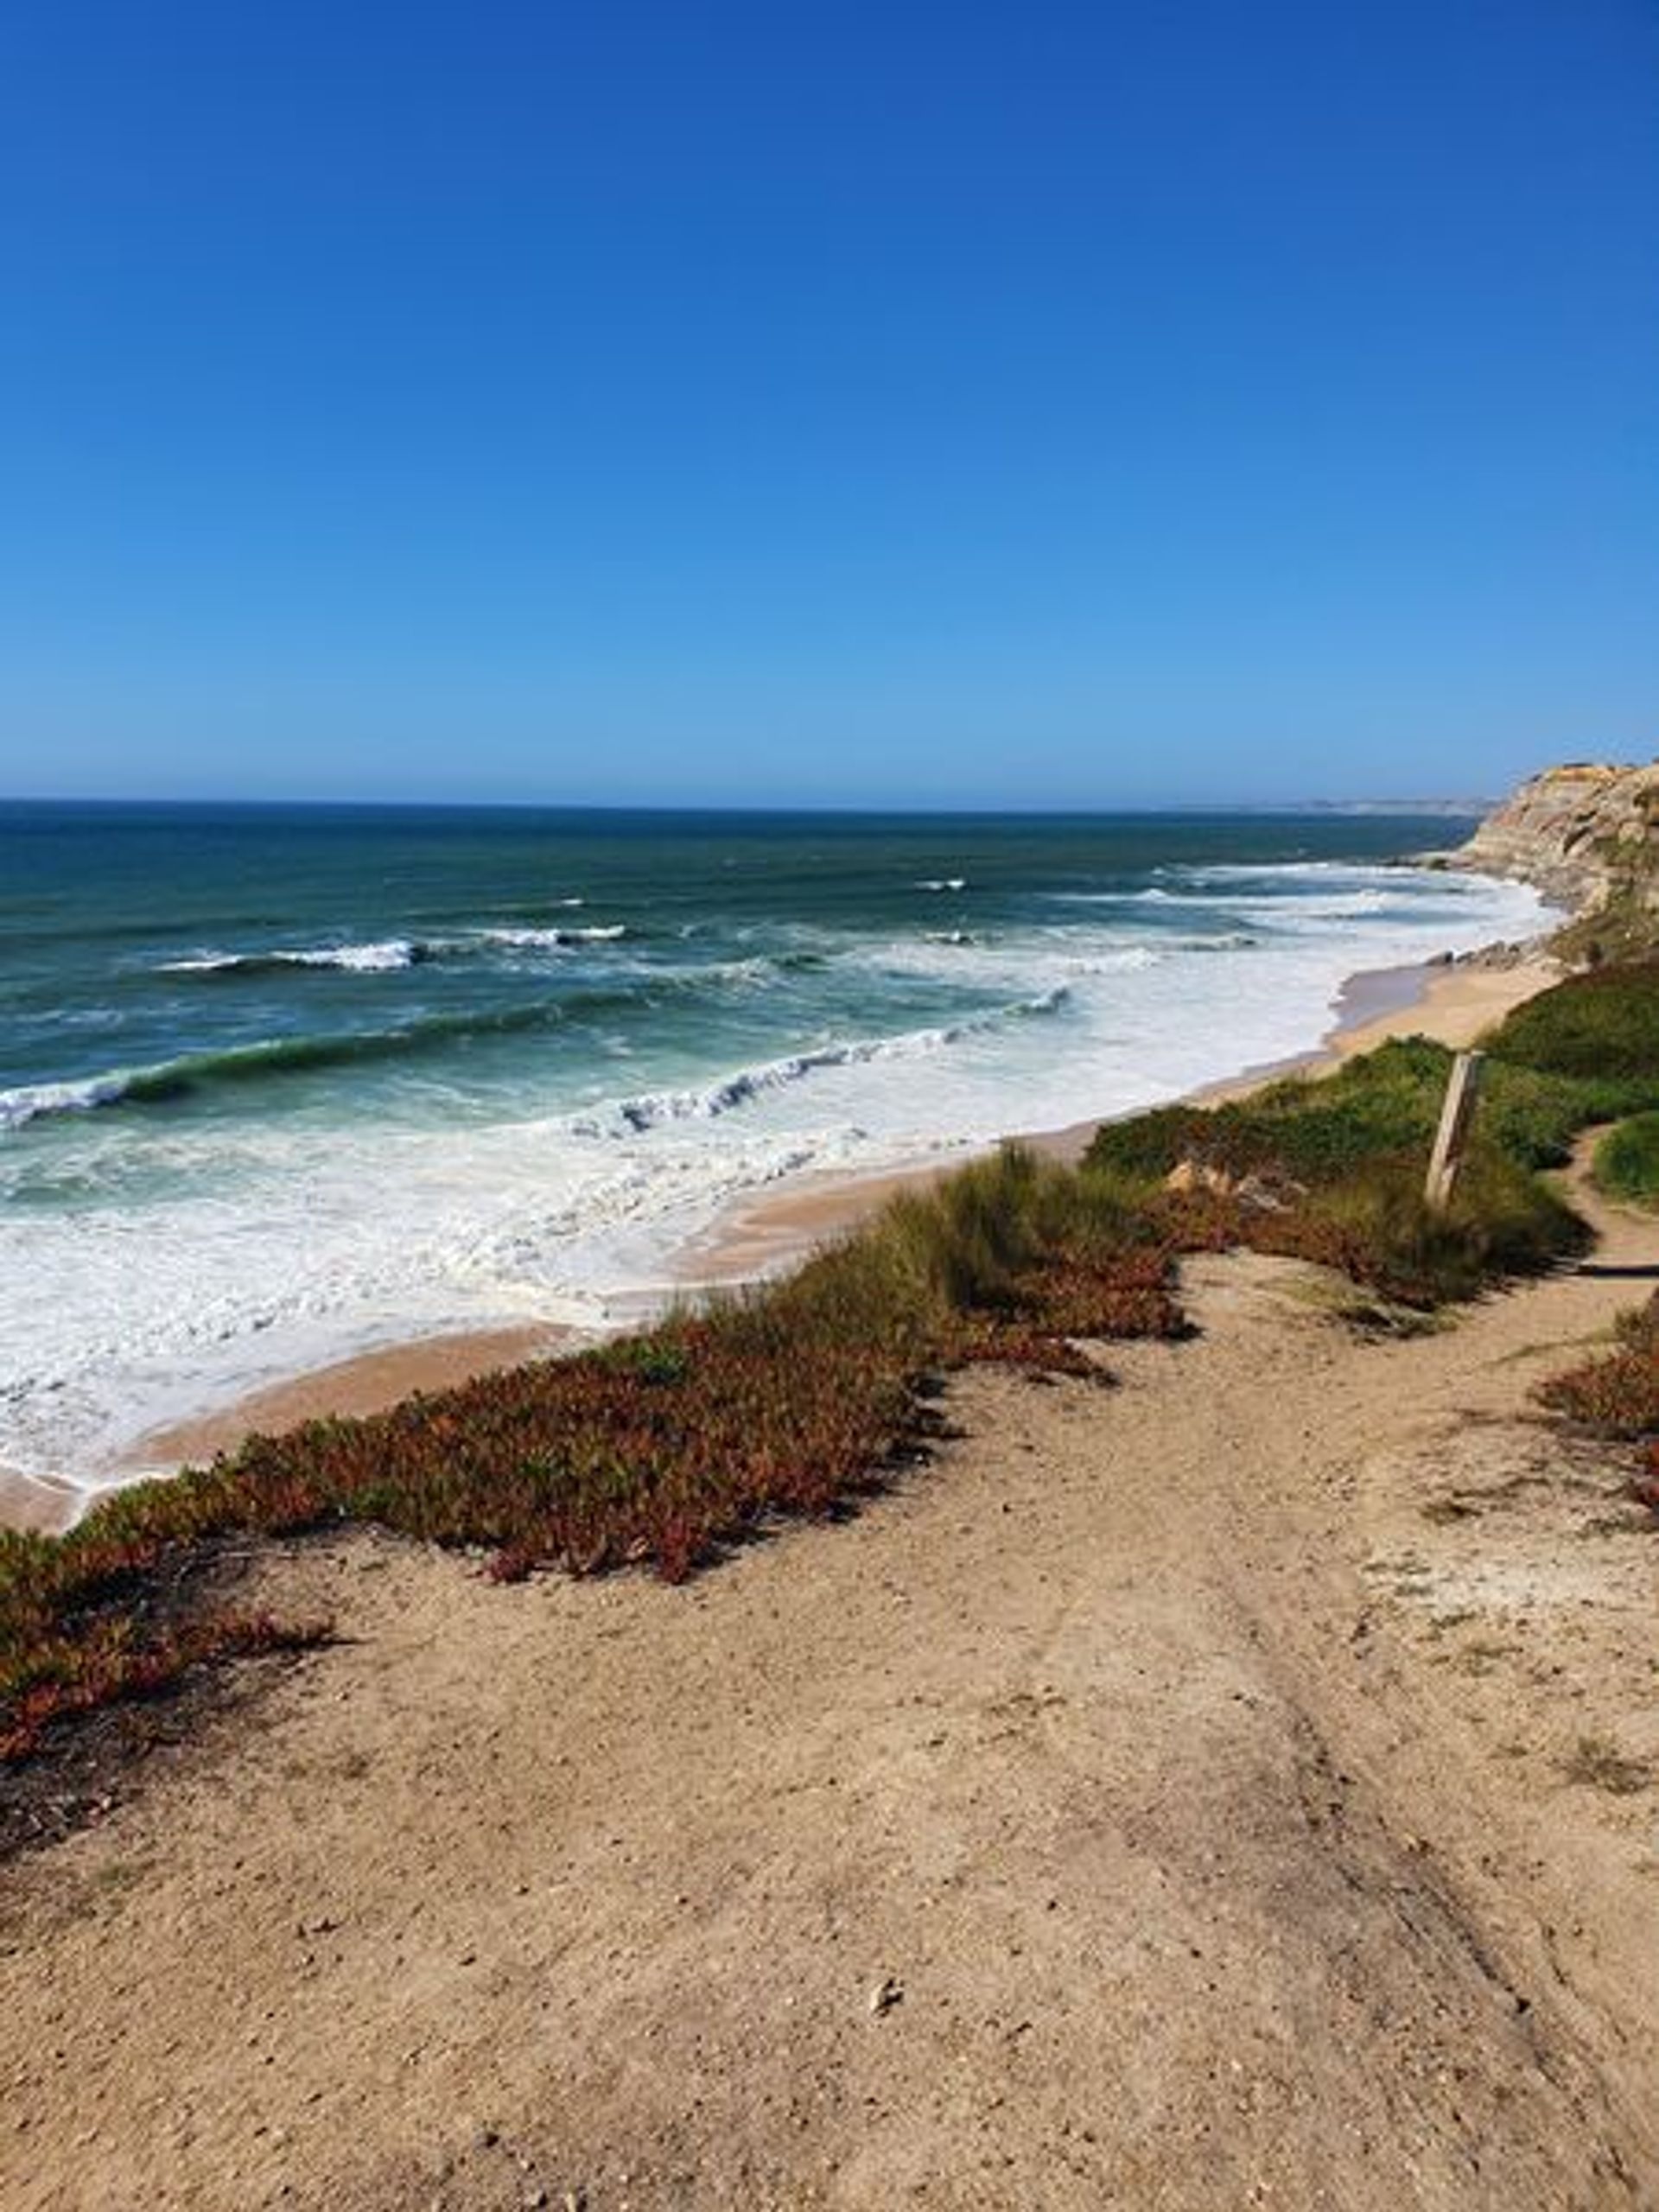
[(655, 1450), (80, 1673)]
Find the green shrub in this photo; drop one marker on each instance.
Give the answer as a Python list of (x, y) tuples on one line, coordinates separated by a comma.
[(1627, 1159), (1502, 1222), (1602, 1026), (1308, 1131)]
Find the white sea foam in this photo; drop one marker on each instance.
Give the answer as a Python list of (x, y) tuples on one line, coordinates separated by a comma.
[(30, 1101), (391, 954), (707, 1102), (360, 959), (530, 940)]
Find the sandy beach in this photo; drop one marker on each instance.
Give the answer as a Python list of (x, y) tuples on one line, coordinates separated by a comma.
[(761, 1233)]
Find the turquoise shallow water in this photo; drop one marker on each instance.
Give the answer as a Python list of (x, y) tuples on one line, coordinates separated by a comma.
[(276, 1084)]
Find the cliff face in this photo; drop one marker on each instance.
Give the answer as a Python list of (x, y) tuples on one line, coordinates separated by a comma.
[(1587, 834)]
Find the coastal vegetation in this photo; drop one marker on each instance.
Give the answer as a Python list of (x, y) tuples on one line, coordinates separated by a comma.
[(1622, 928), (1617, 1394), (1331, 1170), (657, 1450), (800, 1396), (1627, 1160)]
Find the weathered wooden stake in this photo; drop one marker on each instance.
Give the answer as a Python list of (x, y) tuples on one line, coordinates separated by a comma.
[(1451, 1138)]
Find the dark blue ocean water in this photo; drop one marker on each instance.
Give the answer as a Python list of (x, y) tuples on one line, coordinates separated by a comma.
[(278, 1082)]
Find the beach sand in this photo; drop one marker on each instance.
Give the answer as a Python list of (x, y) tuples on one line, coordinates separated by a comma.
[(1176, 1795), (366, 1383), (36, 1502), (760, 1235)]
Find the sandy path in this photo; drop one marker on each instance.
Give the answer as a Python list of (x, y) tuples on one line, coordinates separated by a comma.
[(1194, 1757)]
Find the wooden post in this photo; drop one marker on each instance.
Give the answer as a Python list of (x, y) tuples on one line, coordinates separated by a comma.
[(1451, 1138)]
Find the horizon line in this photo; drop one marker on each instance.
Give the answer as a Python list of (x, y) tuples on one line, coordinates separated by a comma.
[(1422, 803)]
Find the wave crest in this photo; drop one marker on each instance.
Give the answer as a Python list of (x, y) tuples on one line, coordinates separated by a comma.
[(390, 954), (358, 959), (652, 1109), (532, 940)]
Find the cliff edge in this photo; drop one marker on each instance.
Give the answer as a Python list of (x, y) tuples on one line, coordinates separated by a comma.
[(1587, 834)]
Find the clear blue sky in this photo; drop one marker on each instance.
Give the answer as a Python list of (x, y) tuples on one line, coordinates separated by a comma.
[(1021, 403)]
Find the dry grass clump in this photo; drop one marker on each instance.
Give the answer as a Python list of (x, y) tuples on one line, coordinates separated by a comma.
[(1597, 1764), (1618, 1395)]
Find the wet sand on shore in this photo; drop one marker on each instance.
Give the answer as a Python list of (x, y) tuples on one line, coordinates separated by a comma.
[(366, 1383), (36, 1503)]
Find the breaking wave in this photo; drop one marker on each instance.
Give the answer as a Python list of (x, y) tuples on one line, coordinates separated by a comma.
[(528, 940), (391, 953), (653, 1108), (191, 1074), (357, 959)]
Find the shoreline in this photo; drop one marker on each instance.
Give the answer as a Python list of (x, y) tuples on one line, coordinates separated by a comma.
[(760, 1233), (1451, 1002)]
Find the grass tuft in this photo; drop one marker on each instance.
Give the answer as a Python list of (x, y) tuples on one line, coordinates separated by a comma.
[(1597, 1764), (1627, 1160), (1618, 1395)]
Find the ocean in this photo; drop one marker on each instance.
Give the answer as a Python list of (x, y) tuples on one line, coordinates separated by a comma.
[(279, 1084)]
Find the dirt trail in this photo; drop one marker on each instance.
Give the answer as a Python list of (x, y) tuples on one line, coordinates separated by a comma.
[(1176, 1796)]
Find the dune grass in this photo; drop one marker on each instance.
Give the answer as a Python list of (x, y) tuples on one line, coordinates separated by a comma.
[(1332, 1169), (1627, 1160), (795, 1398)]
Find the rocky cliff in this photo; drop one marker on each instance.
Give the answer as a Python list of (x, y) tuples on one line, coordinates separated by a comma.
[(1588, 834)]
